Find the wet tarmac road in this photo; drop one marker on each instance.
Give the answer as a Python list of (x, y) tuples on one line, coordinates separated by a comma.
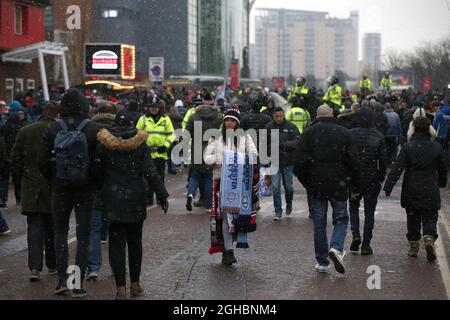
[(278, 266)]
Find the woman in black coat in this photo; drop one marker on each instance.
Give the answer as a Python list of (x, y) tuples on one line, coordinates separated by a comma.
[(425, 171), (123, 164)]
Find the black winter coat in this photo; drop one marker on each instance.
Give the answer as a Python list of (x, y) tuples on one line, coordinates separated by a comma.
[(371, 152), (106, 121), (4, 161), (10, 131), (122, 166), (348, 120), (209, 118), (381, 120), (326, 161), (256, 121), (47, 163), (425, 171), (289, 141)]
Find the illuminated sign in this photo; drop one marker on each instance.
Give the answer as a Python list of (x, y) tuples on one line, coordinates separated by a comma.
[(105, 60), (110, 60), (128, 54)]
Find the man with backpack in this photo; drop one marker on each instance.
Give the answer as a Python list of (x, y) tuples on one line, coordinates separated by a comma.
[(68, 150)]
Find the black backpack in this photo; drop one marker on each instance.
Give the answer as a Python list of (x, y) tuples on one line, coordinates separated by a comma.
[(72, 155)]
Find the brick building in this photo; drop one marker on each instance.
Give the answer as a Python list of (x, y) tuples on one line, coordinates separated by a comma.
[(21, 24)]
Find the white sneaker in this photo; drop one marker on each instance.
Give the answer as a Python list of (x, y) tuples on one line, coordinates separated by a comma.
[(322, 269), (338, 260), (277, 218), (92, 276), (5, 233)]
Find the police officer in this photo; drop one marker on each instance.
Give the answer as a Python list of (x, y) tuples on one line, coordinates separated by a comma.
[(333, 97), (299, 115), (300, 90), (365, 85), (161, 135), (267, 106), (196, 101), (386, 82)]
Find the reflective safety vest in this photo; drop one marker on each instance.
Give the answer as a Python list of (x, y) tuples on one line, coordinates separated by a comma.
[(334, 95), (386, 83), (365, 84), (355, 98), (300, 117), (187, 117), (297, 90), (160, 134), (263, 109)]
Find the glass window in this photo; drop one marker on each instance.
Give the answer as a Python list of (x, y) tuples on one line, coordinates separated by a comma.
[(30, 84), (18, 20), (110, 13), (9, 89), (19, 85)]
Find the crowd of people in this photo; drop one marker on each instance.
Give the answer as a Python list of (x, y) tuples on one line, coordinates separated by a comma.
[(107, 159)]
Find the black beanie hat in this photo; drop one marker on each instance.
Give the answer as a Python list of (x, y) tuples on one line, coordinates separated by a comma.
[(125, 118)]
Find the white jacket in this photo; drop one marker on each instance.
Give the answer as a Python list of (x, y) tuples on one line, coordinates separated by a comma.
[(420, 113), (214, 152)]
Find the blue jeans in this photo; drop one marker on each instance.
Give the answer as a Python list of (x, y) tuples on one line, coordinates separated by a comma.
[(3, 225), (95, 245), (285, 173), (205, 182), (370, 196), (340, 222)]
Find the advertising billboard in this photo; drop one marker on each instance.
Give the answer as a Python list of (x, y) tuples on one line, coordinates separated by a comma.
[(110, 60)]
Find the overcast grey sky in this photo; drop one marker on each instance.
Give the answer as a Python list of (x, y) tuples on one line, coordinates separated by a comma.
[(404, 24)]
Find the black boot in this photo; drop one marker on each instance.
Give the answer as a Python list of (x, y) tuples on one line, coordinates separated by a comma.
[(289, 208), (228, 258)]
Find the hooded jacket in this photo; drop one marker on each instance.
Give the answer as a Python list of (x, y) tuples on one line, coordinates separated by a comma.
[(326, 161), (106, 121), (423, 162), (442, 122), (420, 112), (210, 118), (122, 166), (74, 109), (370, 149)]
